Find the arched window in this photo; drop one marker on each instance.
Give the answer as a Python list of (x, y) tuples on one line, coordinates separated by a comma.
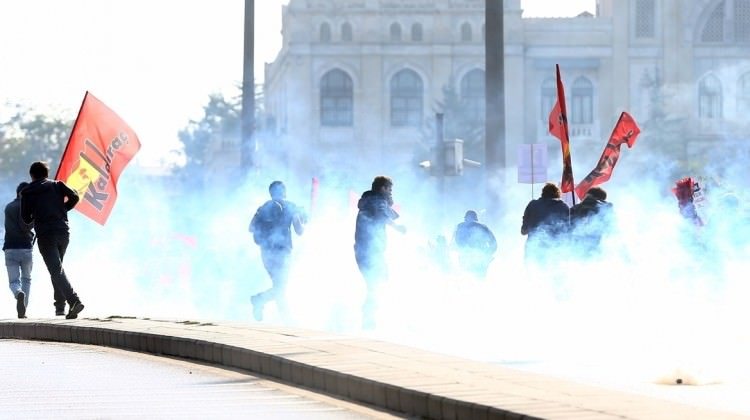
[(709, 98), (582, 101), (346, 32), (549, 96), (336, 99), (743, 95), (325, 32), (416, 32), (645, 18), (465, 32), (406, 99), (395, 32), (472, 95)]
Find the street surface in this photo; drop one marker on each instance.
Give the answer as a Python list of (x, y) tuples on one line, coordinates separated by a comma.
[(65, 381)]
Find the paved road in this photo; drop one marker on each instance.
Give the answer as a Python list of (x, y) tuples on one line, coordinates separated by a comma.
[(61, 380)]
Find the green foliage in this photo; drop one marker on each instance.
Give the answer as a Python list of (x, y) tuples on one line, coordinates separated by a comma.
[(27, 136), (221, 122)]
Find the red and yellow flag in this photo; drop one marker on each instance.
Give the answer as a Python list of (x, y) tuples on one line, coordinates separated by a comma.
[(100, 146), (558, 127), (625, 131)]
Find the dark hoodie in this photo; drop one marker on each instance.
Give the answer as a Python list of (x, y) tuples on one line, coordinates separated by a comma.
[(374, 213), (43, 203), (550, 215), (18, 235)]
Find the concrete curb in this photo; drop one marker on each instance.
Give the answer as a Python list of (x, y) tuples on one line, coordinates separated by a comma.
[(392, 377)]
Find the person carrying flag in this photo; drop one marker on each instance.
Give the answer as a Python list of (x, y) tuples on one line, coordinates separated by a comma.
[(544, 221), (46, 203), (590, 220)]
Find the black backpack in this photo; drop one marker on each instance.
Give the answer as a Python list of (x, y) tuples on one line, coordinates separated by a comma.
[(264, 220)]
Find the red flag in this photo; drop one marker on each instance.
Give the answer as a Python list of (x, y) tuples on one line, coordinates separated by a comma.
[(558, 127), (625, 131), (100, 146)]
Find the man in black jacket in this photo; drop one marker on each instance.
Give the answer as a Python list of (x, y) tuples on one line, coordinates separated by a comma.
[(17, 246), (46, 203), (544, 221), (476, 244), (374, 214)]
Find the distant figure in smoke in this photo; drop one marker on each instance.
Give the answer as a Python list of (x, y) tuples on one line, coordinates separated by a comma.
[(271, 229), (685, 190), (17, 245), (374, 214), (545, 220), (46, 203), (476, 245), (591, 219)]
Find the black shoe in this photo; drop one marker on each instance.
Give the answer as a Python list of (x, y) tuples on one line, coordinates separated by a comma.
[(21, 304), (257, 307), (74, 310)]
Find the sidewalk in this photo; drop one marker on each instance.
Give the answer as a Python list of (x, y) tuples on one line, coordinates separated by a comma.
[(394, 377)]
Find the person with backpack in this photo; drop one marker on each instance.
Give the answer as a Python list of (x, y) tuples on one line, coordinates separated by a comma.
[(271, 228), (476, 245)]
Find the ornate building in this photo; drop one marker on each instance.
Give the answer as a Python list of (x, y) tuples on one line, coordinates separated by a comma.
[(357, 82)]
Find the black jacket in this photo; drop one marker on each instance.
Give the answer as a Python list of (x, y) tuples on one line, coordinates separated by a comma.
[(550, 215), (43, 203), (18, 234), (475, 236), (374, 213)]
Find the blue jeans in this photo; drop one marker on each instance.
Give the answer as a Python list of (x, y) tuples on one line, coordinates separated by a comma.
[(19, 263)]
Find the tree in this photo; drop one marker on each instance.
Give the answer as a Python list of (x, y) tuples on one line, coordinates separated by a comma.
[(28, 136), (220, 122)]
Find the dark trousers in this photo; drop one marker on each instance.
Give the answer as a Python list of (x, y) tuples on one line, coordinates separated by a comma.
[(276, 262), (375, 272), (52, 246)]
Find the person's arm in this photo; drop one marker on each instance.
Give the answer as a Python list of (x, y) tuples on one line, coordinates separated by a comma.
[(26, 215), (70, 194), (492, 240)]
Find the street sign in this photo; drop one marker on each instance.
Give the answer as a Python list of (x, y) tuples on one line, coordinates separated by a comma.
[(532, 163)]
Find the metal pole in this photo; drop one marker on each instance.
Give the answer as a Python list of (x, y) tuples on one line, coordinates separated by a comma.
[(247, 143), (494, 144)]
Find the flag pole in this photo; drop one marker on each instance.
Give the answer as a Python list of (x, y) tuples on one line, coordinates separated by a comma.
[(75, 123)]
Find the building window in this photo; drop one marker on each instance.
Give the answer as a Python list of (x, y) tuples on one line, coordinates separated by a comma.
[(582, 101), (465, 32), (472, 95), (325, 32), (549, 97), (709, 98), (742, 20), (645, 19), (416, 32), (395, 32), (714, 29), (346, 32), (336, 99), (743, 96), (406, 99)]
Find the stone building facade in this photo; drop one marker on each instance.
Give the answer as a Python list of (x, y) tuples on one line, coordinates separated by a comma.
[(356, 82)]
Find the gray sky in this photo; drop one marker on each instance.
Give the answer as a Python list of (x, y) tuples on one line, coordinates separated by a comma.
[(152, 62)]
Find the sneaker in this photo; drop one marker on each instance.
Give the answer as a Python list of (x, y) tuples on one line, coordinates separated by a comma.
[(74, 310), (21, 304), (257, 307)]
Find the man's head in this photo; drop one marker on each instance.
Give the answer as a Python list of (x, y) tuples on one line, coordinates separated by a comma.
[(551, 190), (20, 187), (39, 170), (471, 216), (382, 183), (597, 193), (277, 189)]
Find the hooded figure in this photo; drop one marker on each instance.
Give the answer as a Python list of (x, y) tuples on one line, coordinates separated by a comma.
[(476, 244)]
